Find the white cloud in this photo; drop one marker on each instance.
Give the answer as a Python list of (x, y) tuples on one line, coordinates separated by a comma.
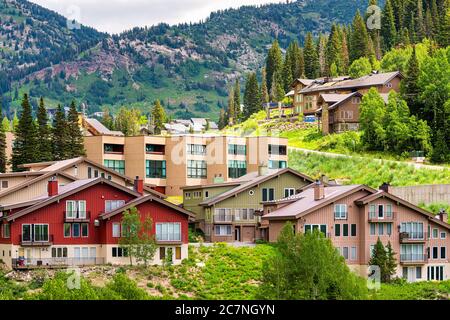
[(114, 16)]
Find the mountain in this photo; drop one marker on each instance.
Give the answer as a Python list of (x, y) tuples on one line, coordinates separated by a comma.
[(187, 66)]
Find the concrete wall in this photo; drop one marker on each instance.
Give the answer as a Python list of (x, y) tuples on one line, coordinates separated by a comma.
[(426, 193)]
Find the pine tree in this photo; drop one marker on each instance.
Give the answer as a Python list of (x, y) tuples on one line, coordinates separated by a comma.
[(443, 32), (420, 21), (388, 29), (311, 58), (334, 50), (274, 62), (3, 158), (301, 64), (24, 147), (252, 100), (277, 90), (75, 146), (264, 93), (44, 147), (391, 263), (287, 72), (429, 26), (441, 151), (222, 119), (322, 55), (15, 122), (409, 86), (359, 46), (237, 101), (345, 58), (231, 115), (60, 137), (6, 124), (159, 116)]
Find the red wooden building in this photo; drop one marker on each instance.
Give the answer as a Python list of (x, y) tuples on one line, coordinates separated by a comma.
[(80, 224)]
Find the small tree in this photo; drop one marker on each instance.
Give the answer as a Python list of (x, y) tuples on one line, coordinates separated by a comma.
[(384, 258), (75, 147), (360, 67), (391, 262), (136, 237), (158, 116)]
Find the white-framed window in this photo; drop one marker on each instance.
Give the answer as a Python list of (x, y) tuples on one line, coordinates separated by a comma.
[(187, 195), (197, 194), (312, 227), (443, 235), (111, 205), (346, 114), (345, 253), (222, 230), (67, 230), (353, 254), (340, 211), (168, 231), (84, 230), (41, 233), (116, 230), (76, 209), (59, 252), (435, 273), (244, 214), (76, 230), (373, 227), (413, 229), (118, 252), (435, 233), (443, 252), (288, 192)]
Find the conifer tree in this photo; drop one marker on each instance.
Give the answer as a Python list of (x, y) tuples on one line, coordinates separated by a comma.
[(287, 72), (24, 147), (3, 159), (410, 87), (44, 146), (391, 263), (359, 46), (159, 116), (231, 117), (277, 90), (311, 58), (252, 100), (60, 135), (75, 146), (345, 59), (334, 50), (222, 119), (6, 124), (443, 32), (274, 62), (15, 122), (264, 93), (388, 29), (322, 55), (237, 101), (420, 21)]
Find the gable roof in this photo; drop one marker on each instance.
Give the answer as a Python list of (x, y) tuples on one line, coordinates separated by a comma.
[(305, 203), (383, 194), (98, 128), (252, 183), (305, 82), (370, 80), (67, 190), (143, 199)]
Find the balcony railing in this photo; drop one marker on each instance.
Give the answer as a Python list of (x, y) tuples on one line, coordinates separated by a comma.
[(416, 236), (77, 216), (223, 218), (36, 243), (413, 258), (388, 217), (24, 263)]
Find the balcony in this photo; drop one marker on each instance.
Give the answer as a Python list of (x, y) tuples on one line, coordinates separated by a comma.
[(157, 149), (36, 243), (373, 217), (413, 237), (24, 263), (413, 258), (223, 218), (110, 148), (77, 216)]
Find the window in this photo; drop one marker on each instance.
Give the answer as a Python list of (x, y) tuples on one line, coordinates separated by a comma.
[(268, 194), (380, 211), (340, 211), (388, 85), (413, 229), (345, 230), (277, 149), (435, 253), (373, 228), (236, 169), (162, 253), (196, 169), (380, 229), (443, 235), (155, 169), (435, 273), (222, 230), (197, 194), (353, 230), (443, 253), (418, 272), (60, 252), (118, 252), (26, 232), (389, 228), (245, 214), (116, 230), (41, 232), (116, 165), (6, 232), (353, 255), (178, 253), (345, 252), (346, 114), (288, 192), (388, 211), (75, 230), (76, 209), (111, 205), (196, 149), (237, 149), (67, 230), (84, 230), (113, 148), (320, 227), (89, 172), (155, 148), (412, 252), (435, 233), (95, 173), (206, 194), (168, 231), (356, 100), (275, 164), (337, 230), (187, 195), (4, 184), (372, 211)]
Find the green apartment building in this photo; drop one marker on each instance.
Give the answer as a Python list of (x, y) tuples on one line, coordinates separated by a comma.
[(230, 211)]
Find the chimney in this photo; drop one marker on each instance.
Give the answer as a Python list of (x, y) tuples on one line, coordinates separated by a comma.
[(443, 216), (52, 187), (386, 187), (324, 179), (262, 170), (319, 191), (139, 185)]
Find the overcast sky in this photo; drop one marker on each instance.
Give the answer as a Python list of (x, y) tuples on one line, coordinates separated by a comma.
[(114, 16)]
